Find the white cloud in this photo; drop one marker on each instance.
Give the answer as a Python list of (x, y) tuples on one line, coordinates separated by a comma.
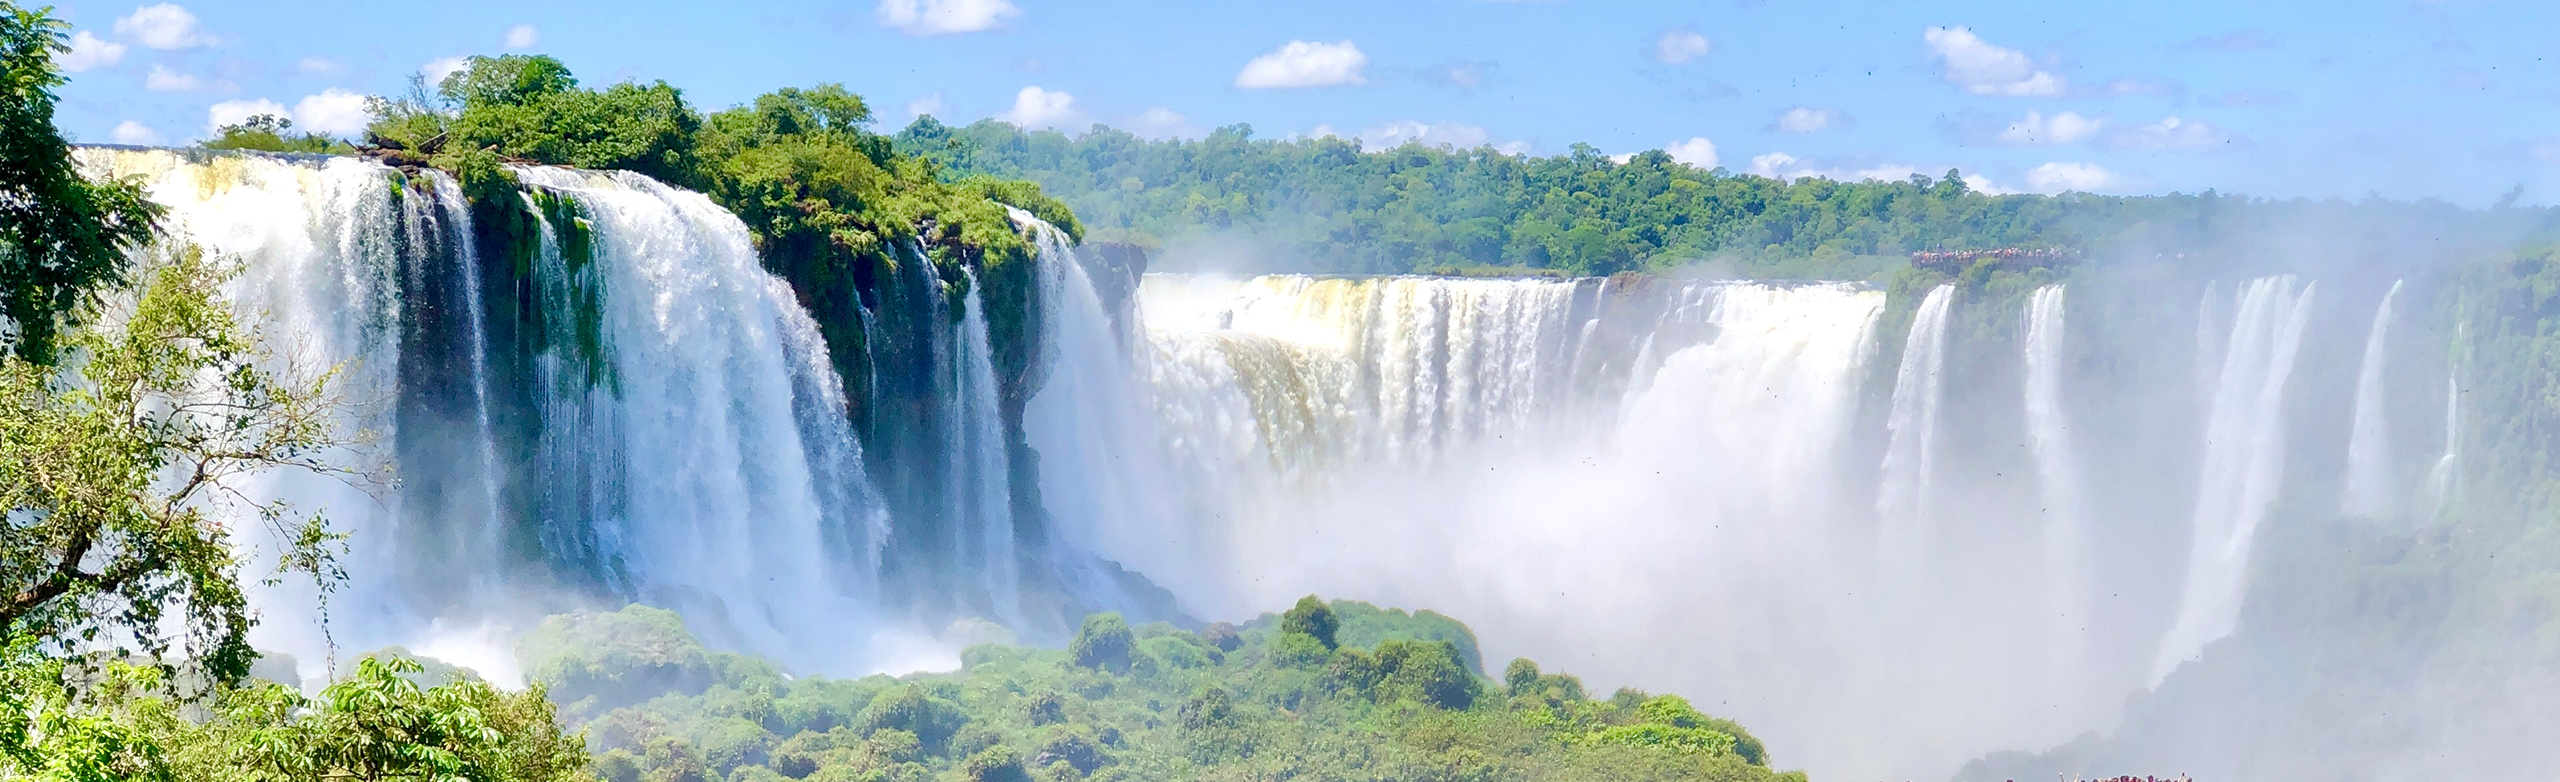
[(1461, 76), (1441, 134), (316, 66), (90, 51), (1306, 64), (945, 17), (1697, 151), (1783, 166), (1679, 46), (131, 132), (1034, 107), (1445, 134), (929, 103), (161, 79), (1808, 120), (2171, 134), (1161, 122), (1983, 184), (1982, 68), (439, 68), (523, 36), (234, 112), (2036, 129), (2061, 177), (163, 26), (334, 111)]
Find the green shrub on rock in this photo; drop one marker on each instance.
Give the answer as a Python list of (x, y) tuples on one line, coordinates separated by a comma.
[(1103, 643)]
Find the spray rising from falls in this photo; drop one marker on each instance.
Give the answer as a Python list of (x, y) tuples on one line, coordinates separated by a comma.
[(2368, 490), (1670, 471), (2243, 463)]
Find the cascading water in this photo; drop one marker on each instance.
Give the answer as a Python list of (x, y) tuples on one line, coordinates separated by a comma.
[(2067, 554), (319, 247), (2243, 463), (2443, 478), (722, 509), (2368, 481), (653, 415), (1911, 457), (1667, 483), (980, 494), (1105, 479)]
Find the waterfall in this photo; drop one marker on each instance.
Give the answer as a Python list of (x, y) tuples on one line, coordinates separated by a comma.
[(2067, 554), (320, 257), (2443, 478), (2368, 481), (981, 493), (1105, 479), (2242, 465), (1911, 456), (633, 405)]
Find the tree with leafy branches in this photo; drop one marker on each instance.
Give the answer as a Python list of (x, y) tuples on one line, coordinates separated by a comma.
[(62, 237)]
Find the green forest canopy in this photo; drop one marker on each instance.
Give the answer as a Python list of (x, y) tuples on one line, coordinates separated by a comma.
[(1327, 205)]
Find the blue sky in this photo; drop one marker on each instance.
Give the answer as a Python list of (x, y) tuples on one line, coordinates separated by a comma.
[(2404, 98)]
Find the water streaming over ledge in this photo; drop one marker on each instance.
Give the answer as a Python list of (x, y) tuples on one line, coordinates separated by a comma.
[(1680, 484)]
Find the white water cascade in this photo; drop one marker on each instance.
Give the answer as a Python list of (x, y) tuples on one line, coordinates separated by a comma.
[(2445, 477), (1103, 471), (2242, 465), (319, 257), (1690, 513), (2067, 553), (2368, 481), (711, 466), (1910, 459), (981, 491)]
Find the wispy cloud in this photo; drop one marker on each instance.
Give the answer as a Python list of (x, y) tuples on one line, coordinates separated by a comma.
[(437, 69), (1696, 151), (162, 79), (945, 17), (1680, 45), (523, 36), (1803, 119), (333, 111), (2170, 134), (928, 103), (1306, 64), (131, 132), (163, 26), (1983, 68), (1463, 76), (1160, 122), (2036, 129), (234, 112), (2062, 177), (89, 51), (1035, 107)]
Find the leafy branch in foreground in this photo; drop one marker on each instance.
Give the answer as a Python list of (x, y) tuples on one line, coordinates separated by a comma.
[(120, 458), (62, 237)]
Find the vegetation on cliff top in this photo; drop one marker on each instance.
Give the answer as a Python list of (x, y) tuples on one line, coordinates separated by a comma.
[(1328, 205), (1327, 691)]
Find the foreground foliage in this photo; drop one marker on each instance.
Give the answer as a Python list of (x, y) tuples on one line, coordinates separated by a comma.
[(62, 237), (106, 719), (1280, 698)]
